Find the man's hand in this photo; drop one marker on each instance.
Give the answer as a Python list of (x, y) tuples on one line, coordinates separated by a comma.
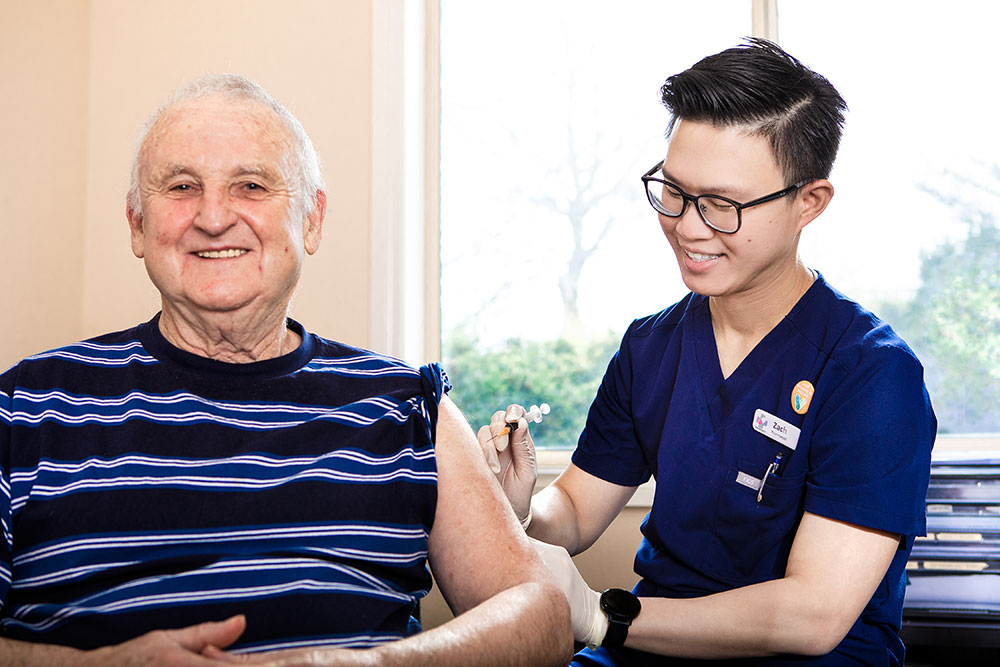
[(590, 624), (171, 648), (511, 457)]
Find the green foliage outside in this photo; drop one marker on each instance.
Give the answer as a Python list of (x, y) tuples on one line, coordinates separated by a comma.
[(953, 321), (564, 375)]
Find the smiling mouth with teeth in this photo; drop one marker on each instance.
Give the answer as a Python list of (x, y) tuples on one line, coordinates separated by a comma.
[(698, 257), (221, 254)]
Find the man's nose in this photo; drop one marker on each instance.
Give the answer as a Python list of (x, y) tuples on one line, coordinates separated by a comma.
[(691, 225), (215, 212)]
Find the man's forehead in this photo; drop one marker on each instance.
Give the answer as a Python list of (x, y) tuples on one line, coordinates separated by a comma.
[(181, 137), (222, 106), (169, 169), (723, 159)]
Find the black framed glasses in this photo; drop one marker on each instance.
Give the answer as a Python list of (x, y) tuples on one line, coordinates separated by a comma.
[(720, 213)]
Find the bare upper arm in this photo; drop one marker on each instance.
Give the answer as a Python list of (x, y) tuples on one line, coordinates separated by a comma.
[(477, 547), (840, 565)]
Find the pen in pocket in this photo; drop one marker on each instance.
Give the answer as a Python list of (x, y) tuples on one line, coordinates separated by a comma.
[(771, 470)]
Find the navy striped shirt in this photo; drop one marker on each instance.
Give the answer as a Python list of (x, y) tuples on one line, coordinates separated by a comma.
[(144, 487)]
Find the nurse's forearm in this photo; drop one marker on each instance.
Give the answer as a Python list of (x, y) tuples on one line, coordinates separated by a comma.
[(575, 509), (781, 616), (554, 519), (833, 570)]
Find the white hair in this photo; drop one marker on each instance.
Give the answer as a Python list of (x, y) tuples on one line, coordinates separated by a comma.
[(238, 87)]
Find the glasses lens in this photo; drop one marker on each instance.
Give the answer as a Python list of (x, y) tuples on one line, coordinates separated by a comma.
[(665, 199), (721, 214)]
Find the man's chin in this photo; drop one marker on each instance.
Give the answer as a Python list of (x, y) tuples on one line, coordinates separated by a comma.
[(214, 305)]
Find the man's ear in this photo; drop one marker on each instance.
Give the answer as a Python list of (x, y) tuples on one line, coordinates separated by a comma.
[(313, 231), (813, 198), (136, 232)]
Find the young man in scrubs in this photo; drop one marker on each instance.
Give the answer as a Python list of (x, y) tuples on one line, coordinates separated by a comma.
[(788, 428)]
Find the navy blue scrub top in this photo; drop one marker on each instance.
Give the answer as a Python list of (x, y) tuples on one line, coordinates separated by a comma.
[(863, 454)]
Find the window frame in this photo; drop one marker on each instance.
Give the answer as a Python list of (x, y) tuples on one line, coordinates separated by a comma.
[(404, 295)]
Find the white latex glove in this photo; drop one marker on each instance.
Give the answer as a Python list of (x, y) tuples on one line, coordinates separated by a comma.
[(590, 624), (512, 459)]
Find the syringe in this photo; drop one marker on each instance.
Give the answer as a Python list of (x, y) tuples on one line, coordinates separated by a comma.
[(533, 415)]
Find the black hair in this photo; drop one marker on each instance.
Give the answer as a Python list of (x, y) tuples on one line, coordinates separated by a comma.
[(760, 87)]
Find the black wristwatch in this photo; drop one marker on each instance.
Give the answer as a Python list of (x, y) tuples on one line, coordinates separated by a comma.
[(621, 608)]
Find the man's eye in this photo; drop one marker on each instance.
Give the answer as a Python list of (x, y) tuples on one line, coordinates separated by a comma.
[(717, 205), (181, 187)]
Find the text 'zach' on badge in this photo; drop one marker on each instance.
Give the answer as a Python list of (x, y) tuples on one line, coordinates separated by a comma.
[(776, 429)]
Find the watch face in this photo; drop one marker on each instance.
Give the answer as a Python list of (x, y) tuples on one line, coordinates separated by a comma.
[(618, 602)]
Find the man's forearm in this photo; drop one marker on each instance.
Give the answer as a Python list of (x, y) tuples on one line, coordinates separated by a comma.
[(26, 654), (524, 625), (178, 648)]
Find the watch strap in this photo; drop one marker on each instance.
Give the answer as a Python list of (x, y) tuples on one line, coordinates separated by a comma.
[(616, 634)]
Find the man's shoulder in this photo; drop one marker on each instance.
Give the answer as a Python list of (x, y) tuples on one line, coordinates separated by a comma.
[(362, 371), (117, 348), (848, 332), (331, 355), (662, 325)]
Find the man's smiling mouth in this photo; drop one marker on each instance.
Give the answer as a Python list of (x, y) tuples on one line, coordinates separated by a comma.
[(700, 257), (221, 254)]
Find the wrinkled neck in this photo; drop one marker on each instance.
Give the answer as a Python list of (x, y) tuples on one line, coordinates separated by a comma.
[(232, 337)]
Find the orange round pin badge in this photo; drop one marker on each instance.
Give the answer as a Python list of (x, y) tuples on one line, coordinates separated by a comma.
[(801, 396)]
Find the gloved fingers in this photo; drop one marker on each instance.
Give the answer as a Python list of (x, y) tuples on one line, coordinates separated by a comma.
[(559, 564), (486, 443), (498, 425), (523, 446), (592, 635), (546, 551), (520, 440), (514, 412), (497, 421), (589, 622), (514, 467)]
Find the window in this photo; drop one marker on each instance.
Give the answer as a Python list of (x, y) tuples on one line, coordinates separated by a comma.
[(548, 246), (913, 231), (550, 113)]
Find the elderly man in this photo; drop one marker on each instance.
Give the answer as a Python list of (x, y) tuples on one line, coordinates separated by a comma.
[(218, 481)]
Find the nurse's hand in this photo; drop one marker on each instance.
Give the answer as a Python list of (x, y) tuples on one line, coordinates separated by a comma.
[(511, 457), (590, 624)]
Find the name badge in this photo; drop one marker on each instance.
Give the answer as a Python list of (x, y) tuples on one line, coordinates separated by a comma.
[(776, 429)]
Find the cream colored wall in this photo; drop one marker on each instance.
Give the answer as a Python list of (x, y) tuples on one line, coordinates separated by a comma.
[(43, 149), (80, 78)]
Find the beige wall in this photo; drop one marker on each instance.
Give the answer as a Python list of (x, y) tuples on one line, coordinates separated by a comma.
[(79, 78), (43, 150)]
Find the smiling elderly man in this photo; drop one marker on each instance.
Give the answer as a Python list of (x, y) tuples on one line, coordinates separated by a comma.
[(218, 478)]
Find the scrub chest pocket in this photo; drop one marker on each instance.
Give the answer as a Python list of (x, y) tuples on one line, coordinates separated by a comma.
[(753, 537)]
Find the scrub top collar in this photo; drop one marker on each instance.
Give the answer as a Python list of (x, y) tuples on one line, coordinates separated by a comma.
[(718, 389)]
